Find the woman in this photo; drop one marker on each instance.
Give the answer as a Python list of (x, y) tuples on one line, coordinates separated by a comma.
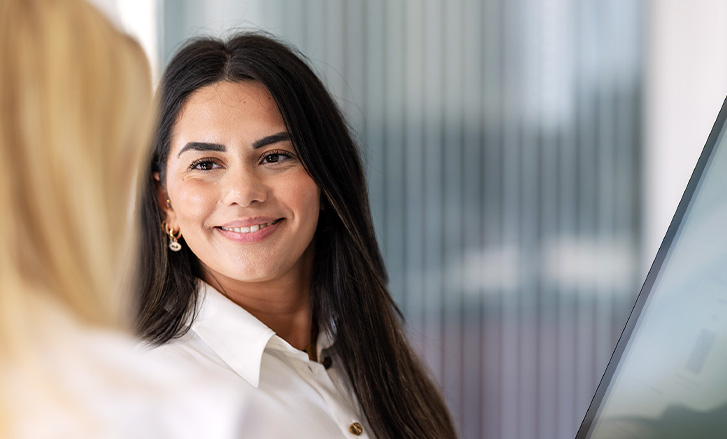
[(75, 104), (265, 268)]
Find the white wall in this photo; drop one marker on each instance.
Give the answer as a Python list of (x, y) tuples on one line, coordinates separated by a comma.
[(685, 85)]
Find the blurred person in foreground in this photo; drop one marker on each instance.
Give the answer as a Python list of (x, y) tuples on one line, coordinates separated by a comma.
[(75, 120)]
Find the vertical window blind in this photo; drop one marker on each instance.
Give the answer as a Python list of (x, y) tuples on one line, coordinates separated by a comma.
[(503, 151)]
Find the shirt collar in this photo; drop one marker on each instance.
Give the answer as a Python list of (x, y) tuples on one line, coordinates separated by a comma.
[(323, 342), (238, 337), (233, 333)]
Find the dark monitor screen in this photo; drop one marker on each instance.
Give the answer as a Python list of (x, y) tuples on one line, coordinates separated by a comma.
[(667, 377)]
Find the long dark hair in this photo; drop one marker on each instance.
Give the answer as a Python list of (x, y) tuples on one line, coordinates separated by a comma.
[(348, 290)]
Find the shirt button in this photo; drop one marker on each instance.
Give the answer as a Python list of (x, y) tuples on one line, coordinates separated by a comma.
[(355, 428), (327, 362)]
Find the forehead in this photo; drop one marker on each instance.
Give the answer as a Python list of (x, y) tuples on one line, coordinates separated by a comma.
[(224, 109), (232, 94)]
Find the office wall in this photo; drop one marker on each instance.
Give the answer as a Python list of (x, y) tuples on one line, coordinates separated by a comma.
[(685, 84), (502, 141)]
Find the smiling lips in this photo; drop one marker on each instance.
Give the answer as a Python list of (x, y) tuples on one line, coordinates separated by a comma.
[(251, 229)]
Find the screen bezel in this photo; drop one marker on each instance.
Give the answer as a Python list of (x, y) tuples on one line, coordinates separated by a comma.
[(623, 341)]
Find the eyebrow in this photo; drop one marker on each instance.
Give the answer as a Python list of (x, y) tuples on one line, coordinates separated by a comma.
[(274, 138), (202, 146)]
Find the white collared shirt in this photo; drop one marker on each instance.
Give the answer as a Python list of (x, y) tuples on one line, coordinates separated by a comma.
[(287, 394)]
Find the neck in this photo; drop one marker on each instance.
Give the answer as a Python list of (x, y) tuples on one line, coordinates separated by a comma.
[(283, 304)]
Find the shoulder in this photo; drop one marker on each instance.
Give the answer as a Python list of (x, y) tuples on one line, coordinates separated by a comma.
[(97, 384)]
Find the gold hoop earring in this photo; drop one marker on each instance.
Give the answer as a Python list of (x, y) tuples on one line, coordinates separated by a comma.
[(174, 245)]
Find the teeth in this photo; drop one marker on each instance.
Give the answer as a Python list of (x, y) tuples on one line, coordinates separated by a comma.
[(250, 229)]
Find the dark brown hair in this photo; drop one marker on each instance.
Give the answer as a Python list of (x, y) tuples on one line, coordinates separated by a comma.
[(349, 293)]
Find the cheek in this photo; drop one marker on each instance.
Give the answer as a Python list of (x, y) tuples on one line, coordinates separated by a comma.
[(192, 200), (307, 196)]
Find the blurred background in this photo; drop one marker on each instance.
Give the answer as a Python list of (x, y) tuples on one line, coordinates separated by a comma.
[(524, 160)]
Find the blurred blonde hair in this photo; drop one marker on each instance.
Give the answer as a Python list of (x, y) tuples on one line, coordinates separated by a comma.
[(75, 101)]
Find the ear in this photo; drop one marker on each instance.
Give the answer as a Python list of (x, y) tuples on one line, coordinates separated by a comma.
[(165, 204)]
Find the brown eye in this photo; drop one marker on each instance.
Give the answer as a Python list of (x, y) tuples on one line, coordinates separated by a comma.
[(272, 158), (275, 157), (203, 165)]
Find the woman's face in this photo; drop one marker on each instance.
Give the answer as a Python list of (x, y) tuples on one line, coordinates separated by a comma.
[(237, 191)]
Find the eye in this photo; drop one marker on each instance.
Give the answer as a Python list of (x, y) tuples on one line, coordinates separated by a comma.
[(203, 165), (274, 157)]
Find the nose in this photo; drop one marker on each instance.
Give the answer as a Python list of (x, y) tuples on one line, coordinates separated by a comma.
[(244, 187)]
